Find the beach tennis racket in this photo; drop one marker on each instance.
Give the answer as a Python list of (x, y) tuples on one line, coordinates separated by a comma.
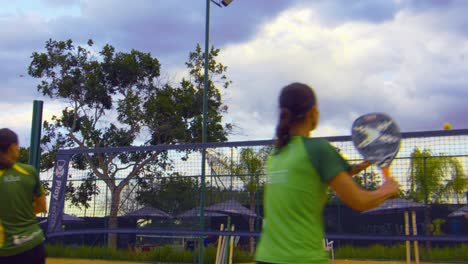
[(377, 138)]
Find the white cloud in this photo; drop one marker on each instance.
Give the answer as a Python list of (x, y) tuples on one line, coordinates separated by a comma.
[(411, 63), (18, 117), (402, 66)]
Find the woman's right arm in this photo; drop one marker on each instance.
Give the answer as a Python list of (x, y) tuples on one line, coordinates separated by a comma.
[(39, 204), (358, 198)]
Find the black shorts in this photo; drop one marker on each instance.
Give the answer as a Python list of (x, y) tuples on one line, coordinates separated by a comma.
[(35, 255)]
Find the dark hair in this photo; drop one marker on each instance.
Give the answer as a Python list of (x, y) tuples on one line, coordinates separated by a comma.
[(295, 100), (7, 137)]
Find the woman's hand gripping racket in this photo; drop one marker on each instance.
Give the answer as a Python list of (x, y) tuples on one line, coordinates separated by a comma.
[(377, 138)]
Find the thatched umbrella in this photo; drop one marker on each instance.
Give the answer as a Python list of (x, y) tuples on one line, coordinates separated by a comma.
[(147, 212), (230, 208), (195, 212)]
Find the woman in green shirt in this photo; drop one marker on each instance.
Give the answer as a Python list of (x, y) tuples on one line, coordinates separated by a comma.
[(299, 172), (21, 196)]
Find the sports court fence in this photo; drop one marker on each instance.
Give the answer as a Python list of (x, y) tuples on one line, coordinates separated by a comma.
[(156, 195)]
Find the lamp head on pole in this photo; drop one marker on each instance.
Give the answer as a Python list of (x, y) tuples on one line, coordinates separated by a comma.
[(224, 2)]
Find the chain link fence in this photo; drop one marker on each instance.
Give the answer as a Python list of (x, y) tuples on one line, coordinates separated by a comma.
[(160, 188)]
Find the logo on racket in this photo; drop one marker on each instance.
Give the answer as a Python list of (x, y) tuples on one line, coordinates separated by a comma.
[(373, 134)]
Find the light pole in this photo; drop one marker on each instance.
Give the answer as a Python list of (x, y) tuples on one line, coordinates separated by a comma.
[(205, 110)]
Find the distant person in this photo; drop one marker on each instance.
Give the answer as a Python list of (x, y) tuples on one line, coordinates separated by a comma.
[(21, 198), (299, 172)]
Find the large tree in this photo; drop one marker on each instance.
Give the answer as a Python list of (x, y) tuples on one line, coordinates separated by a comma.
[(367, 179), (116, 99)]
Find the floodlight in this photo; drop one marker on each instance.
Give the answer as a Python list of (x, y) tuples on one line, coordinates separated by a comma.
[(226, 2)]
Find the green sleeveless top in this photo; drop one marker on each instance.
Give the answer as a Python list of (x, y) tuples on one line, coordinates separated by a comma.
[(294, 198), (19, 230)]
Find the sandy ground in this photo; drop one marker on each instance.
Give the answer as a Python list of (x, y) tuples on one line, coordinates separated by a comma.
[(88, 261)]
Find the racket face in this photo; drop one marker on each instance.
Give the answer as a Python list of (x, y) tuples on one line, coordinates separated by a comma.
[(376, 137)]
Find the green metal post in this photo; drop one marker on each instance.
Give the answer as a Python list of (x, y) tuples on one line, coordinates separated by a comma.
[(204, 133), (36, 127)]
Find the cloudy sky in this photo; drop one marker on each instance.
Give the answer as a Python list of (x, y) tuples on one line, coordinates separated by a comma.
[(405, 57)]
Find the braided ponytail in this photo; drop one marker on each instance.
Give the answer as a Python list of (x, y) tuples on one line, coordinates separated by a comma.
[(282, 130)]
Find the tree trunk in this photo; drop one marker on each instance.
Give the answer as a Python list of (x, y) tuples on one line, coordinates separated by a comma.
[(113, 223), (252, 223)]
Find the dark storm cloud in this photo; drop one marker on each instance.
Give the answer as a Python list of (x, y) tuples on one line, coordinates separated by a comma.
[(170, 29), (431, 4), (15, 83), (21, 32), (172, 26), (21, 35), (446, 102), (334, 12), (339, 11)]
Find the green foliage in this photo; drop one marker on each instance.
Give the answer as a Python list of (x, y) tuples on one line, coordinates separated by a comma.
[(81, 196), (215, 194), (177, 194), (23, 155), (192, 93), (116, 99), (124, 85), (87, 252), (175, 254), (173, 195), (248, 165), (24, 158), (457, 253), (166, 253), (368, 179), (249, 168), (434, 177), (371, 252)]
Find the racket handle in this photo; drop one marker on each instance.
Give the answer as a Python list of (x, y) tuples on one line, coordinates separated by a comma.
[(386, 172)]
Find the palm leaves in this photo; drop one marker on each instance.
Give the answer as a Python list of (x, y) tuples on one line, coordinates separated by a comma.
[(433, 179)]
